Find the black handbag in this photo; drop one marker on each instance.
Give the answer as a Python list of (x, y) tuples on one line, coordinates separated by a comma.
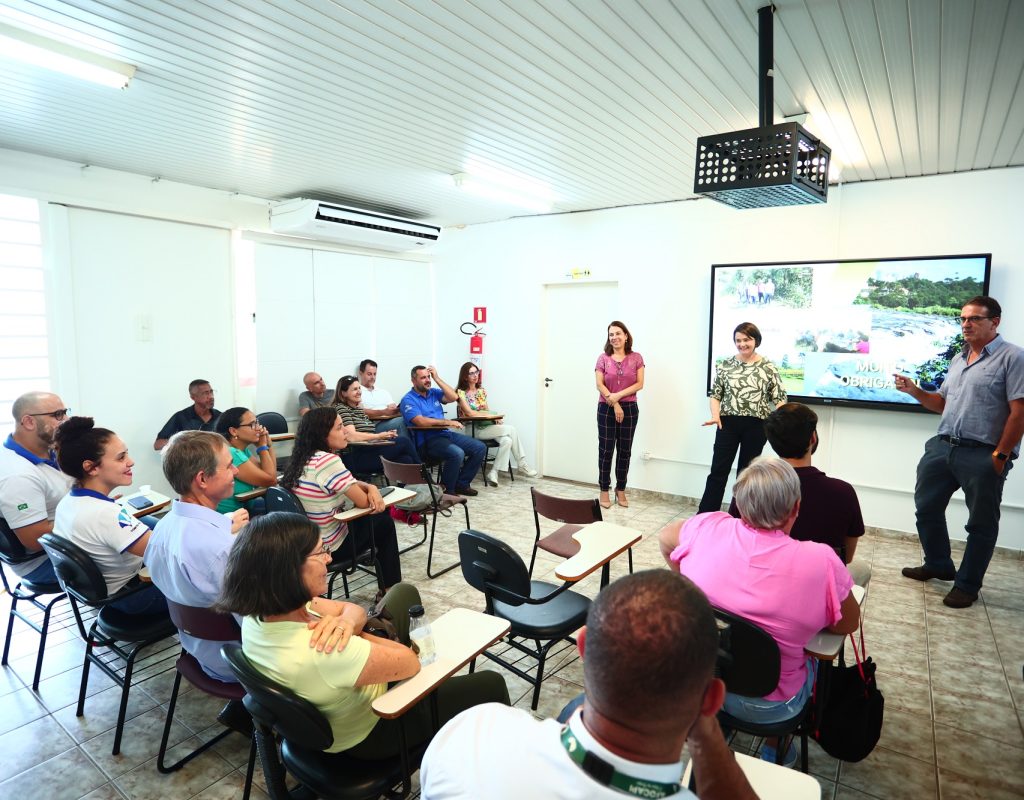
[(848, 721)]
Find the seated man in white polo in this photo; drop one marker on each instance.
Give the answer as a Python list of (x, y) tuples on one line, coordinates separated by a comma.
[(378, 403)]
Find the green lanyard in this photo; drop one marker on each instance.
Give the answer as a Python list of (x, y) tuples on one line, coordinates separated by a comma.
[(605, 774)]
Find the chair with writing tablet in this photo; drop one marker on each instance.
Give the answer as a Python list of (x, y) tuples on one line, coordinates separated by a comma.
[(538, 611)]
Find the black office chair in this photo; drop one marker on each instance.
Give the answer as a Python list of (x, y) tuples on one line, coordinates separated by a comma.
[(575, 514), (275, 423), (344, 561), (305, 733), (410, 475), (83, 583), (202, 623), (272, 421), (750, 664), (538, 611), (13, 552)]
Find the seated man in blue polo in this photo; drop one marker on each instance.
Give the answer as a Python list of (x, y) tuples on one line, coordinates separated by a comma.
[(461, 455), (31, 483)]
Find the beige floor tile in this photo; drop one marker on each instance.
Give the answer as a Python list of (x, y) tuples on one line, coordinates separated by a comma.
[(107, 791), (67, 776), (230, 788), (988, 765), (140, 742), (887, 774), (908, 734), (145, 782), (101, 712), (973, 713), (19, 707), (30, 745)]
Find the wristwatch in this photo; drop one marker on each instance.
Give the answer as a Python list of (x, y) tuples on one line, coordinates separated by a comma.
[(1001, 456)]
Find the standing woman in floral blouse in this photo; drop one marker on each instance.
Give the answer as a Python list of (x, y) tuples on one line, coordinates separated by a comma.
[(746, 390), (619, 373)]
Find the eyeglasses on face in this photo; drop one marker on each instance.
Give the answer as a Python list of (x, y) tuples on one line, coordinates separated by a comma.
[(254, 424), (323, 551), (473, 372), (973, 320), (58, 415)]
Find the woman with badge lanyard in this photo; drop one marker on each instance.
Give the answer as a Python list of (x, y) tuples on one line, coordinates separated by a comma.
[(116, 541)]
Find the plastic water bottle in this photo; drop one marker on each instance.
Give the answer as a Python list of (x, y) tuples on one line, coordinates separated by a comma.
[(421, 634)]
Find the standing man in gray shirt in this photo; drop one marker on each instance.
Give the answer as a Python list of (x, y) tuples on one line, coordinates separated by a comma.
[(982, 407)]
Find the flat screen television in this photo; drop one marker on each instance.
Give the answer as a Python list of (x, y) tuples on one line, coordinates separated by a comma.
[(838, 330)]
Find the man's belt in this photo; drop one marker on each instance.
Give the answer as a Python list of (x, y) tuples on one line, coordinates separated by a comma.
[(957, 441)]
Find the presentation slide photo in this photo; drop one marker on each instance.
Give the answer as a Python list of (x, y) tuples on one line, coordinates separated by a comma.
[(837, 331)]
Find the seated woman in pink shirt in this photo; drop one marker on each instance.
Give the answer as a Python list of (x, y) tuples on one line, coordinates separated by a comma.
[(750, 567)]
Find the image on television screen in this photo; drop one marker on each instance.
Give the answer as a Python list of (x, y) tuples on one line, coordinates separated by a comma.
[(838, 330)]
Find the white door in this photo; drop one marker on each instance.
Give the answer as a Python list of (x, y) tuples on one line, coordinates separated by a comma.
[(576, 318)]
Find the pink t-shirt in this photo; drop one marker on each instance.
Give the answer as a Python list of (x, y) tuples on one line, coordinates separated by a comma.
[(791, 589), (619, 374)]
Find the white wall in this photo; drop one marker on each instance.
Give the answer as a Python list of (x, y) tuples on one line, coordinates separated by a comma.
[(142, 278), (660, 257)]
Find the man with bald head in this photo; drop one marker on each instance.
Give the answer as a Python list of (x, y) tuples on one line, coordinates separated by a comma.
[(317, 395), (650, 689), (31, 483)]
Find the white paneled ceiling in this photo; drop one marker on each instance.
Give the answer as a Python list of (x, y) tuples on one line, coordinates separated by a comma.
[(379, 102)]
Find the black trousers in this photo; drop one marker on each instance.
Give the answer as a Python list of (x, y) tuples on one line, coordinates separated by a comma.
[(615, 438), (745, 434)]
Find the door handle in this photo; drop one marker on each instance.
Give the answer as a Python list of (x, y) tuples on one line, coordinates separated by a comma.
[(547, 382)]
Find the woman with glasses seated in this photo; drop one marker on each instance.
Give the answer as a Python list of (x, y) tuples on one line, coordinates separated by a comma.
[(116, 541), (320, 480), (276, 572), (364, 459), (473, 403), (242, 430)]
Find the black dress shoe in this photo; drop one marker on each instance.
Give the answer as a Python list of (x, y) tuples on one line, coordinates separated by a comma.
[(924, 573), (234, 716), (958, 598), (467, 491)]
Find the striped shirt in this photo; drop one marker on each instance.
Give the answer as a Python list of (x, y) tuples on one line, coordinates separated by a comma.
[(321, 490), (355, 417)]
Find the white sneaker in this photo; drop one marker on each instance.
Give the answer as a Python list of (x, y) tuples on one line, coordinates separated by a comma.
[(524, 470), (492, 477)]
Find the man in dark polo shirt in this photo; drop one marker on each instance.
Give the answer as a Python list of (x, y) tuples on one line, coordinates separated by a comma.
[(200, 416), (829, 509)]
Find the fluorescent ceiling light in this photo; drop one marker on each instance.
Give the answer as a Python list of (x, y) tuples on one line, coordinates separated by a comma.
[(487, 179), (40, 51), (491, 191)]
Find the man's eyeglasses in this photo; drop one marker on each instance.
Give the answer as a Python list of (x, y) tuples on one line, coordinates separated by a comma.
[(973, 320), (58, 415)]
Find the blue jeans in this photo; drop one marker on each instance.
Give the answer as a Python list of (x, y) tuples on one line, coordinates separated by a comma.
[(42, 574), (396, 424), (461, 457), (766, 712), (942, 470), (147, 601)]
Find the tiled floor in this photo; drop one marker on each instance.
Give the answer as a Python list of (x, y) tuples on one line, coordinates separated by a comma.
[(952, 682)]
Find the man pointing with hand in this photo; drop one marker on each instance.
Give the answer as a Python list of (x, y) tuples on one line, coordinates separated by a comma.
[(982, 407)]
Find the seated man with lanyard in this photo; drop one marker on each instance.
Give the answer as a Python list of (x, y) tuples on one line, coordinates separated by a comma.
[(650, 689), (461, 455)]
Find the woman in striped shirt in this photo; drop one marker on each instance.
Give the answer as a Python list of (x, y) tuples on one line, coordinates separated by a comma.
[(319, 479)]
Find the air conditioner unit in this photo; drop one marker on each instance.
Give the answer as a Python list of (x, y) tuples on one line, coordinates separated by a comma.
[(330, 222)]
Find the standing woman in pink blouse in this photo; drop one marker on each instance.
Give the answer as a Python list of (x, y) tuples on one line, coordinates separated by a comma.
[(619, 373)]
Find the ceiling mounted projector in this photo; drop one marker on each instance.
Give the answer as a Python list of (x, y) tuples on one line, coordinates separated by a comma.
[(772, 165)]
